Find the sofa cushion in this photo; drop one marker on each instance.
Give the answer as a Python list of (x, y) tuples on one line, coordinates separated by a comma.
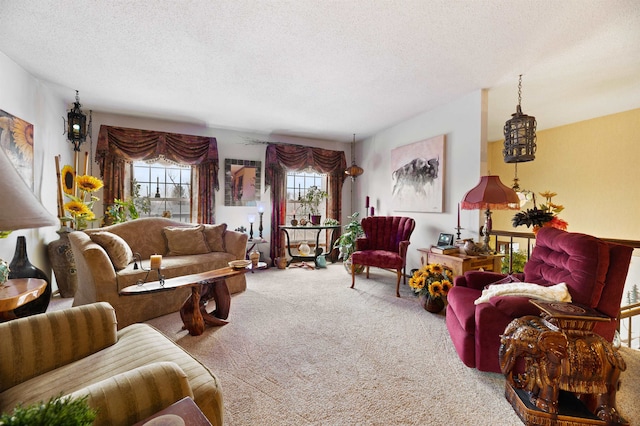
[(214, 235), (117, 248), (185, 240)]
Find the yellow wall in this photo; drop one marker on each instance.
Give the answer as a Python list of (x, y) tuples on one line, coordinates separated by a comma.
[(593, 166)]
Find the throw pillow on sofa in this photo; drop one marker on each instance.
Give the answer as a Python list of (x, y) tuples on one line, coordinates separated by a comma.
[(116, 247), (214, 234), (183, 241)]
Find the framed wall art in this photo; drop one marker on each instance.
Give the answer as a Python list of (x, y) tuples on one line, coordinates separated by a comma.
[(16, 139), (241, 182), (417, 176)]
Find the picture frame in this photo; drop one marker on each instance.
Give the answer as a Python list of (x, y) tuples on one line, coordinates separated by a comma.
[(417, 177), (16, 139), (242, 182)]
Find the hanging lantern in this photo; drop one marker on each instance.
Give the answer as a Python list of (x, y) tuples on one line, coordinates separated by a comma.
[(354, 170), (519, 135), (76, 125)]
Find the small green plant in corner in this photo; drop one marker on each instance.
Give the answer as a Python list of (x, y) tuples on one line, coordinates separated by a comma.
[(58, 411), (347, 241), (519, 259)]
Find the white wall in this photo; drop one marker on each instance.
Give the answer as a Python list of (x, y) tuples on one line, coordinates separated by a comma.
[(463, 124), (33, 101)]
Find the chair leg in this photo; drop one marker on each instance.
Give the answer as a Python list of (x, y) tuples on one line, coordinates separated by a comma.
[(399, 272), (353, 274), (367, 272)]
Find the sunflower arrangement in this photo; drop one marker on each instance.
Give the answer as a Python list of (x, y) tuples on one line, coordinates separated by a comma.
[(79, 191), (545, 215), (433, 279)]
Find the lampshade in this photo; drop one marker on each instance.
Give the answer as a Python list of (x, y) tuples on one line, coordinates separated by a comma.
[(20, 207), (490, 194)]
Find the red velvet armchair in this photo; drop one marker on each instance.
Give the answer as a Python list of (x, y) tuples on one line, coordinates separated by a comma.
[(594, 271), (384, 245)]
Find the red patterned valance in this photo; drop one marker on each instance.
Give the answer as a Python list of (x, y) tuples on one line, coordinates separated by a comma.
[(119, 145)]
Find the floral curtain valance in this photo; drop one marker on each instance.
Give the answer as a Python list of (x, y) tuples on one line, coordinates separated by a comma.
[(119, 145), (279, 159)]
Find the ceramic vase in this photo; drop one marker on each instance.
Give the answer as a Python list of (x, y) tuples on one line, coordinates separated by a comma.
[(21, 267), (63, 263)]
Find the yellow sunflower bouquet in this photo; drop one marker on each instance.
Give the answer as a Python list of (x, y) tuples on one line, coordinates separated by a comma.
[(79, 190), (434, 280)]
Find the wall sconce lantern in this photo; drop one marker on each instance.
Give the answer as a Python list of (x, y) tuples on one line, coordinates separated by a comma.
[(77, 125), (519, 135), (354, 170)]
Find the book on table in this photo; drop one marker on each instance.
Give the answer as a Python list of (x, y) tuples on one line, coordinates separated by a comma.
[(445, 249)]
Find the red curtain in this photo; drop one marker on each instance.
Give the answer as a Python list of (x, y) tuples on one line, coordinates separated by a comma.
[(280, 159), (118, 146)]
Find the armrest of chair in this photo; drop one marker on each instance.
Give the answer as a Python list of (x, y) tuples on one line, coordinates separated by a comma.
[(28, 343), (403, 246), (137, 394), (236, 243)]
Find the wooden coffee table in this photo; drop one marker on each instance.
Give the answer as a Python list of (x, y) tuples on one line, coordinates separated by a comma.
[(204, 286)]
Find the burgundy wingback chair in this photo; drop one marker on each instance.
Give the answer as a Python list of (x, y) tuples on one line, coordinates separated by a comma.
[(384, 245), (594, 271)]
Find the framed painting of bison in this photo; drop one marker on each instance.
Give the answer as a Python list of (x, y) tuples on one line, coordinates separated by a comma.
[(417, 176)]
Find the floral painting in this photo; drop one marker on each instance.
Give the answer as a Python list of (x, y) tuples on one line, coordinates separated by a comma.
[(417, 176), (16, 139)]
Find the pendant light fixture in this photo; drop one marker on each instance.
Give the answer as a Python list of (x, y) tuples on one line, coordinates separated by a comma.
[(519, 135), (77, 124), (354, 170)]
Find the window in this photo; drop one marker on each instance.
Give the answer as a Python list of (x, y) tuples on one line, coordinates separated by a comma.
[(297, 185), (168, 188)]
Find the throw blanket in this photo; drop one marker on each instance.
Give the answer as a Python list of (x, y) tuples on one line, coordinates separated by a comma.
[(554, 293)]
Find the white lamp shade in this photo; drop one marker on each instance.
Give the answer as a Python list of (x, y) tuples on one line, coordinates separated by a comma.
[(20, 207)]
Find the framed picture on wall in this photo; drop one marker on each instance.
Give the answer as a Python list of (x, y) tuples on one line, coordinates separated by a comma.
[(16, 139), (417, 177), (241, 182)]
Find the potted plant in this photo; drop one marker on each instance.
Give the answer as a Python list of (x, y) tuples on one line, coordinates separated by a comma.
[(432, 283), (346, 243), (62, 411), (311, 203)]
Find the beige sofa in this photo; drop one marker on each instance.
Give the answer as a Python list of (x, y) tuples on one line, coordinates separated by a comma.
[(104, 263), (127, 375)]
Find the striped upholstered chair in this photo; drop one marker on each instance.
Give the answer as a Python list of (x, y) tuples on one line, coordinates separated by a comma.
[(384, 245), (127, 375)]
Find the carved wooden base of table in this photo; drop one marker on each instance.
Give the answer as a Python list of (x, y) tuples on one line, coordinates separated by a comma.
[(571, 411), (194, 313)]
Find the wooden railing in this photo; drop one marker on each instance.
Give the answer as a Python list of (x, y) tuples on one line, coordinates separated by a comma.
[(627, 312)]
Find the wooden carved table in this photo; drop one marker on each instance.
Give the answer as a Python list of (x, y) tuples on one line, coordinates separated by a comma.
[(461, 263), (570, 374), (18, 291), (204, 286)]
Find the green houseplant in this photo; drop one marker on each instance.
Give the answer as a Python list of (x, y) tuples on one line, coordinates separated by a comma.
[(310, 203), (519, 259), (58, 411), (346, 243)]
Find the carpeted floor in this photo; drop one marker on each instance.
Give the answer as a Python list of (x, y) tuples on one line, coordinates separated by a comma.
[(302, 348)]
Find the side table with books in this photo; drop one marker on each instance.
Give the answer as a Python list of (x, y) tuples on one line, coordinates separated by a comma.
[(461, 263)]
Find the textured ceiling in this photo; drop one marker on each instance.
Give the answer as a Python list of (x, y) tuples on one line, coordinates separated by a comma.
[(327, 69)]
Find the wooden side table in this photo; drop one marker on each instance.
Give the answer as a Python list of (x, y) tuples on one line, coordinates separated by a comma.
[(461, 263), (18, 291)]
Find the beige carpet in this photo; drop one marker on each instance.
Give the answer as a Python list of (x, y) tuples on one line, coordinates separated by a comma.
[(302, 348)]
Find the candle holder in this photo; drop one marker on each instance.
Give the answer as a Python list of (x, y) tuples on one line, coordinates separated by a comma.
[(260, 228), (152, 262), (458, 229)]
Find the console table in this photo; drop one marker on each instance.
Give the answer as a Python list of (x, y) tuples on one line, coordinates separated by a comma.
[(461, 263), (317, 252)]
